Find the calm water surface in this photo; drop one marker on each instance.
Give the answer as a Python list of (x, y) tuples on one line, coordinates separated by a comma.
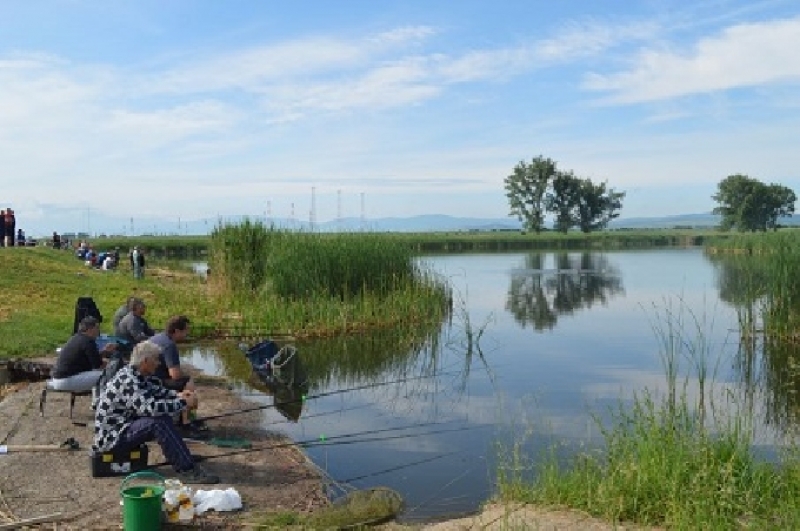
[(564, 336)]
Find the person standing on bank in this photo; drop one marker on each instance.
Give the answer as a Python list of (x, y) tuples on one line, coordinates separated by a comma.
[(133, 328), (134, 408), (80, 363), (11, 225), (137, 263)]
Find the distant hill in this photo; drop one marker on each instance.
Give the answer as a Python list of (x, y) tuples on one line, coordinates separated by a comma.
[(683, 220), (426, 223), (666, 222)]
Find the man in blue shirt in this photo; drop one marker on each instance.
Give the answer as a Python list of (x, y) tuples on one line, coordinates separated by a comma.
[(176, 331), (170, 372)]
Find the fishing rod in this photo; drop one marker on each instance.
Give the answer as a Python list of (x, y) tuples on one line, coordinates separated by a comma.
[(319, 395), (323, 414), (339, 440), (398, 467)]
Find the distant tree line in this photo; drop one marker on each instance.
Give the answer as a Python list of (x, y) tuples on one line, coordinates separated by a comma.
[(747, 204), (539, 187)]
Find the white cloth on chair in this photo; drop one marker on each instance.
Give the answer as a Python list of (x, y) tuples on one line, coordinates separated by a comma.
[(78, 383)]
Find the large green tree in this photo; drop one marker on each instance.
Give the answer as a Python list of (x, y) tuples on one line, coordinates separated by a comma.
[(526, 188), (539, 187), (748, 204), (597, 205), (563, 200)]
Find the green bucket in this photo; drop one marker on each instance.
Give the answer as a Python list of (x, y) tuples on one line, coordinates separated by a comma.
[(141, 504)]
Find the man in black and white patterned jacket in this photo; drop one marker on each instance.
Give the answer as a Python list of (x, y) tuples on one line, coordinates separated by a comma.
[(135, 408)]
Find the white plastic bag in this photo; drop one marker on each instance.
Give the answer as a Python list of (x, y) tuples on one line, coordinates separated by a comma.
[(217, 500)]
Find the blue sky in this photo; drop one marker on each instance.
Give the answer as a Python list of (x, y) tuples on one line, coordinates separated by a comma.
[(201, 109)]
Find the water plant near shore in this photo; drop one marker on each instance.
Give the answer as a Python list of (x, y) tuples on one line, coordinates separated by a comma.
[(758, 274), (684, 459), (309, 284)]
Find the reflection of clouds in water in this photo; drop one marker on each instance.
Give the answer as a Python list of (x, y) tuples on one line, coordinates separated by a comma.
[(205, 359), (728, 399), (367, 419)]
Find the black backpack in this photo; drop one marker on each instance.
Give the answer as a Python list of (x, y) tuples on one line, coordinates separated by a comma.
[(85, 307)]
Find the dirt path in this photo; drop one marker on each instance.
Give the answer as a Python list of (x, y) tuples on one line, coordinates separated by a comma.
[(37, 483)]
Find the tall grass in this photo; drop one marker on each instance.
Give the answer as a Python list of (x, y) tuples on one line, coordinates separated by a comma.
[(328, 283), (759, 274), (678, 460)]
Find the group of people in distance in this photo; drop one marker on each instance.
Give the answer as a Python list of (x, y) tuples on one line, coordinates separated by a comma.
[(149, 398)]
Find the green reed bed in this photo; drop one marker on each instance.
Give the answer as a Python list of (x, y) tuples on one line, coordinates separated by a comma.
[(503, 241), (672, 460), (197, 246), (311, 284), (759, 273)]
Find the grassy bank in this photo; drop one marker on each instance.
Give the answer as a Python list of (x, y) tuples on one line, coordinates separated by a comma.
[(339, 287), (40, 287), (683, 458)]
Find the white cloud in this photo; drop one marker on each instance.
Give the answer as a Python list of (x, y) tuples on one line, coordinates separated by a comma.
[(589, 38), (42, 91), (300, 60), (166, 125), (745, 55), (404, 35)]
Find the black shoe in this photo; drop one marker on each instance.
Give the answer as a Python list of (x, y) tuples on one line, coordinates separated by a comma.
[(188, 432), (198, 425), (197, 476), (198, 458)]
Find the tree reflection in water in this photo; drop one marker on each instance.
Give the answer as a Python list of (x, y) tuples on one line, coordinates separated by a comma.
[(538, 295)]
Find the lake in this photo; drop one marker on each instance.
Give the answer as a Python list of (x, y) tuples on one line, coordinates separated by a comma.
[(539, 345)]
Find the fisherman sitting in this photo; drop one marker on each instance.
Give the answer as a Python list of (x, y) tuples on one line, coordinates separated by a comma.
[(134, 408), (80, 363), (169, 370), (134, 328)]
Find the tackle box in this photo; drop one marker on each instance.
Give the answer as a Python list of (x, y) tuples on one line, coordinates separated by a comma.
[(118, 463)]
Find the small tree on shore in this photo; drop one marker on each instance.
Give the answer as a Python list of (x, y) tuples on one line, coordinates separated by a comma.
[(597, 205), (748, 204), (525, 189), (564, 199)]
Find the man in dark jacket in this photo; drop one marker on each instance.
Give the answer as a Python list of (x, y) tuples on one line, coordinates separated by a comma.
[(134, 408), (80, 363), (134, 328), (121, 312)]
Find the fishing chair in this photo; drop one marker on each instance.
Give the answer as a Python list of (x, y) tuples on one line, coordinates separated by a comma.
[(72, 396)]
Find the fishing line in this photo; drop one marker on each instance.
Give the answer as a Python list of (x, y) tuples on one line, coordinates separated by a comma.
[(319, 395), (443, 487), (323, 414), (398, 467), (339, 440)]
